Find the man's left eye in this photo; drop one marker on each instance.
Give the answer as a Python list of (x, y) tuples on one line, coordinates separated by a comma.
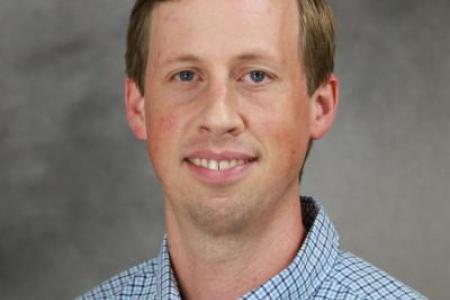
[(257, 76), (186, 75)]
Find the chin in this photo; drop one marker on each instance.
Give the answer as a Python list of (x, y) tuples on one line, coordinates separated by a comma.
[(221, 216)]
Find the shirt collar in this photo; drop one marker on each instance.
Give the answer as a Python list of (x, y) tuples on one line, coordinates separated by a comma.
[(299, 279), (166, 284)]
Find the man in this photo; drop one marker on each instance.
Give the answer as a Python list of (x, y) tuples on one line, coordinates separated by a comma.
[(229, 96)]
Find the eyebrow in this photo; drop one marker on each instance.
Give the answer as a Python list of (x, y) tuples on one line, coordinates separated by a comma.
[(255, 56), (248, 56), (182, 58), (260, 56)]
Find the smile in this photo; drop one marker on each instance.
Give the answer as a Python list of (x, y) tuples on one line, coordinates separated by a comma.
[(216, 165), (220, 168)]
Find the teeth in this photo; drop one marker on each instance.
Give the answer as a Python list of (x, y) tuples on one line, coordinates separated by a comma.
[(224, 164), (213, 165), (204, 163), (216, 165), (233, 163), (197, 161)]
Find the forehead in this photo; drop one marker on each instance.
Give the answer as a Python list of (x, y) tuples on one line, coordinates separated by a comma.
[(224, 27)]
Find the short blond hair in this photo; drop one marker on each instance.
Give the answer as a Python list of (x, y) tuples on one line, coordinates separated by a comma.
[(317, 36)]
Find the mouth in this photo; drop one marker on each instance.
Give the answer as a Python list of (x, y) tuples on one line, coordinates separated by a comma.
[(224, 168), (219, 165)]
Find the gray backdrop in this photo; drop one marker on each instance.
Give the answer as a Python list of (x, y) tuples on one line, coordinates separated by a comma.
[(79, 202)]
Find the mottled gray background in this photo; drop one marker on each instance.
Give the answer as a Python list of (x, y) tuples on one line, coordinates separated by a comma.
[(79, 202)]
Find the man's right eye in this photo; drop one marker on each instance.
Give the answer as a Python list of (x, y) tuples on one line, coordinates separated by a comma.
[(185, 76)]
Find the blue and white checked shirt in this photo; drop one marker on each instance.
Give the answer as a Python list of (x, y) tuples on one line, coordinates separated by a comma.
[(319, 271)]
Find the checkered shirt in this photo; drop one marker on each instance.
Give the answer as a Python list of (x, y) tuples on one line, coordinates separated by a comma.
[(320, 270)]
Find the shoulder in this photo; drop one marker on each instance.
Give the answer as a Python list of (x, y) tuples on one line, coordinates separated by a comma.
[(138, 280), (355, 278)]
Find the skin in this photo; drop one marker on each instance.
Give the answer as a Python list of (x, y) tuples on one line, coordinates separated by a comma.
[(226, 230)]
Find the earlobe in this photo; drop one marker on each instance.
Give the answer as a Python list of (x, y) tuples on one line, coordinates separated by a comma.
[(134, 106), (324, 106)]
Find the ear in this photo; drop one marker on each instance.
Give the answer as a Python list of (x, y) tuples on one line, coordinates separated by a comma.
[(324, 104), (134, 105)]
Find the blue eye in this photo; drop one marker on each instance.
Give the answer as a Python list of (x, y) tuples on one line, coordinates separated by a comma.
[(258, 76), (186, 75)]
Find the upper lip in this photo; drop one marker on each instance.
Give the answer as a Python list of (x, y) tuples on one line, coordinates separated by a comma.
[(222, 155)]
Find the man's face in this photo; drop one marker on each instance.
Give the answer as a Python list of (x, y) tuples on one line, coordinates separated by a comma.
[(226, 109)]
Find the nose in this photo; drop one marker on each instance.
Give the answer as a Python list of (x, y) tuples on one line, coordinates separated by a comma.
[(220, 114)]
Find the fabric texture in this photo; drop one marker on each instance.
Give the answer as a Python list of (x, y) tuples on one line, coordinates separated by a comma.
[(320, 270)]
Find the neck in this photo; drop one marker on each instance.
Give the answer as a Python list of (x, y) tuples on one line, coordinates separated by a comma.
[(228, 266)]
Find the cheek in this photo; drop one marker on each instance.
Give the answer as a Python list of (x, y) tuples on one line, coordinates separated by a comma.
[(163, 124), (290, 140), (287, 133), (162, 130)]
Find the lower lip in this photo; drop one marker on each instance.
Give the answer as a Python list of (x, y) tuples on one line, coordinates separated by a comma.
[(221, 177)]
